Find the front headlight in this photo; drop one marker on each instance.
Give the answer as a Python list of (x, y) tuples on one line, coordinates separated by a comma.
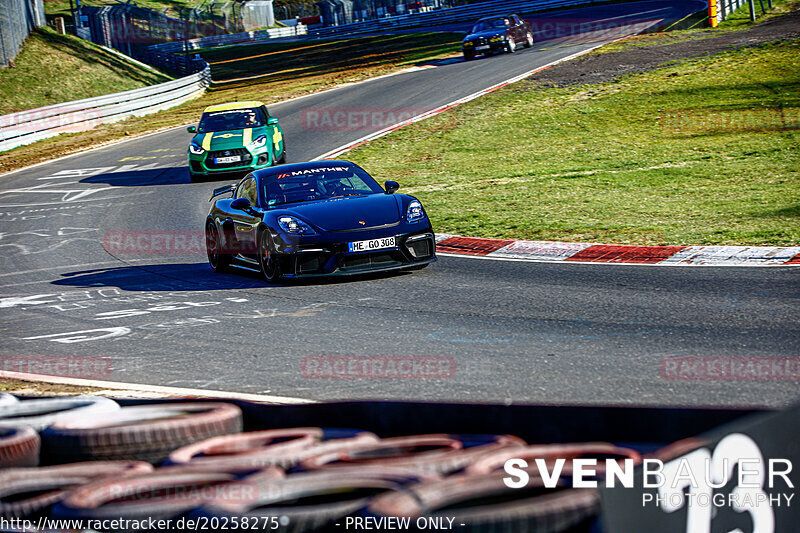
[(414, 211), (295, 226), (497, 38), (469, 43), (260, 141), (196, 150)]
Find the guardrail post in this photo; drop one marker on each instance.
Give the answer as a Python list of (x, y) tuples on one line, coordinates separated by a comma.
[(712, 13), (752, 10)]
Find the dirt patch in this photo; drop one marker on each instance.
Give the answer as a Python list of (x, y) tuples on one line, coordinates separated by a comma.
[(608, 67)]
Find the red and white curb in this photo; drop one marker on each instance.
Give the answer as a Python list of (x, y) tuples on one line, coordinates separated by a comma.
[(547, 251), (135, 390)]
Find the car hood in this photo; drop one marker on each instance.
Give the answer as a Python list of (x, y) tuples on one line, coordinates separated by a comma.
[(226, 140), (348, 213), (488, 34)]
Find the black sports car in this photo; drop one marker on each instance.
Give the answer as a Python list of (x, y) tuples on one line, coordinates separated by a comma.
[(313, 219), (495, 34)]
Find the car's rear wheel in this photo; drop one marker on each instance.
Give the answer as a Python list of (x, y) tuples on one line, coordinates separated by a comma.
[(529, 40), (268, 258), (511, 45), (218, 260)]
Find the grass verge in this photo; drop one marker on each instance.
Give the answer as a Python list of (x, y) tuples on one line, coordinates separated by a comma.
[(53, 68), (375, 56), (702, 152), (737, 21)]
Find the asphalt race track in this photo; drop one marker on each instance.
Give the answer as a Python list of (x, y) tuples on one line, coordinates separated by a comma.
[(504, 330)]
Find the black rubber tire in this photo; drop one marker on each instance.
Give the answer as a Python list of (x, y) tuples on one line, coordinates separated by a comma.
[(511, 45), (7, 399), (426, 453), (144, 432), (37, 489), (528, 40), (19, 446), (282, 159), (218, 260), (469, 56), (248, 451), (493, 462), (41, 413), (473, 501), (267, 258), (341, 493), (163, 493)]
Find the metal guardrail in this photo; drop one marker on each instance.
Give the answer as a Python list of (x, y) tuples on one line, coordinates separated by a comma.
[(231, 38), (25, 127), (468, 13)]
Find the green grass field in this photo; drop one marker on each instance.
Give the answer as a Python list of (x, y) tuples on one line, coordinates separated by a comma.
[(702, 152), (54, 68)]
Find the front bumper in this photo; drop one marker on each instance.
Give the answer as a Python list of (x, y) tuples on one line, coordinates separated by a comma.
[(478, 46), (203, 164), (326, 256)]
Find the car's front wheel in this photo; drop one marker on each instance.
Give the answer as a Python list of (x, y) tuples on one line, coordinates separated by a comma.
[(218, 260), (268, 257), (511, 45), (469, 56)]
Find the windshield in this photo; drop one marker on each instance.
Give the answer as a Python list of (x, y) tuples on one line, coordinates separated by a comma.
[(317, 184), (486, 25), (235, 119)]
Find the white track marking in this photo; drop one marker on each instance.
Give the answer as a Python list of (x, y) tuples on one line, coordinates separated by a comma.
[(170, 391)]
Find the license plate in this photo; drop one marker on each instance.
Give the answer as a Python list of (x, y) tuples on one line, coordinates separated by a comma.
[(372, 244), (485, 47), (230, 159)]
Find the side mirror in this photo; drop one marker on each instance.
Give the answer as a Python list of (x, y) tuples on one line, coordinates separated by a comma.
[(192, 129), (240, 203), (391, 186), (272, 121)]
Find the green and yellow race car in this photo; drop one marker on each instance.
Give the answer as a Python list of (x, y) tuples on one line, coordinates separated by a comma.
[(235, 138)]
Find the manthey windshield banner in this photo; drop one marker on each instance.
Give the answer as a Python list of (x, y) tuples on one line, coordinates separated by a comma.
[(740, 478)]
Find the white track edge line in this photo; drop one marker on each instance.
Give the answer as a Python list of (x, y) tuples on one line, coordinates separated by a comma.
[(177, 391), (614, 263)]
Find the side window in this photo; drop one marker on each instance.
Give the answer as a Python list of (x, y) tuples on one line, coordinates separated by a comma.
[(265, 112), (247, 189), (517, 21)]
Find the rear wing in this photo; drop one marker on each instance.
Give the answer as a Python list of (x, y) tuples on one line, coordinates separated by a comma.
[(222, 190)]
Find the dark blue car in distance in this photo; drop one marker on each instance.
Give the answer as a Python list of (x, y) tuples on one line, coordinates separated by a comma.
[(317, 219), (497, 34)]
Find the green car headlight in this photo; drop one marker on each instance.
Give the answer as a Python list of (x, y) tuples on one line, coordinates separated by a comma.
[(195, 149), (260, 141)]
